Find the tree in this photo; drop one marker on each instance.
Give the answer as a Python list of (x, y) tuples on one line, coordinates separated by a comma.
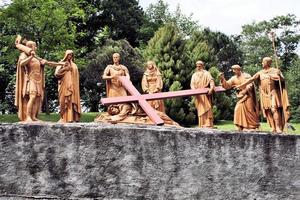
[(91, 79), (167, 50), (157, 15), (293, 81), (223, 48), (123, 18), (256, 44)]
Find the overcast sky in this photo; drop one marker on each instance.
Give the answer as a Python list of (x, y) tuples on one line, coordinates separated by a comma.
[(228, 16)]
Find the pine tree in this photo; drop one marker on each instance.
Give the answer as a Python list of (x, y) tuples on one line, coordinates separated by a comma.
[(167, 50)]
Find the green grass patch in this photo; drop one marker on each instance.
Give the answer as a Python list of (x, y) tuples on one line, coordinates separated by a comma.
[(264, 126), (53, 117), (89, 117)]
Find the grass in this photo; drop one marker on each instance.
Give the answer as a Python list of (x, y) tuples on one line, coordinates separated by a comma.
[(264, 126), (53, 117), (89, 117)]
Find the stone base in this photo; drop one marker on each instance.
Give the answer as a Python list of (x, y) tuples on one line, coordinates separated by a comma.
[(104, 161)]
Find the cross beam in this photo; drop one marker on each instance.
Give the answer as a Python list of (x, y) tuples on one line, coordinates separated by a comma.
[(143, 98)]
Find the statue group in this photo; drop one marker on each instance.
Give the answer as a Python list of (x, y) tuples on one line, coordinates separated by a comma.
[(30, 85)]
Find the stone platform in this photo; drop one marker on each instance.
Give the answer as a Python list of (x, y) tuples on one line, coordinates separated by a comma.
[(104, 161)]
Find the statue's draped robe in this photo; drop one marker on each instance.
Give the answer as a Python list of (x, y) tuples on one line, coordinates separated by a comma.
[(114, 87), (69, 93), (203, 103), (152, 83), (246, 111)]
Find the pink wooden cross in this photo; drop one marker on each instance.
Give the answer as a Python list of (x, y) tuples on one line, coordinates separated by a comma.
[(142, 98)]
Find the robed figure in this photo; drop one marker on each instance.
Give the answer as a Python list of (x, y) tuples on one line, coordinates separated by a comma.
[(152, 83), (114, 87), (203, 79), (68, 89), (246, 111)]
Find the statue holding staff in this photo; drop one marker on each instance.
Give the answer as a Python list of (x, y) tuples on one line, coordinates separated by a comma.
[(274, 101)]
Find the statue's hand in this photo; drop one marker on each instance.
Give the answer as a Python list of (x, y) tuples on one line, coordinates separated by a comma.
[(43, 62), (238, 87), (32, 53), (68, 68), (239, 95), (221, 76), (113, 76), (18, 39)]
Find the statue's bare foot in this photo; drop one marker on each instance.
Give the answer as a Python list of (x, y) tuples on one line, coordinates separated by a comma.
[(28, 119), (36, 119), (61, 121)]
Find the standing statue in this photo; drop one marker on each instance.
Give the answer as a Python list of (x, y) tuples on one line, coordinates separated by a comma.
[(203, 79), (152, 83), (68, 89), (246, 111), (273, 95), (114, 87), (30, 81)]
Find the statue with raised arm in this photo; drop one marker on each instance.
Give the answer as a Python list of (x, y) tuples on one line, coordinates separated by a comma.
[(273, 95), (246, 111), (68, 89), (152, 83), (114, 87), (30, 81), (203, 79)]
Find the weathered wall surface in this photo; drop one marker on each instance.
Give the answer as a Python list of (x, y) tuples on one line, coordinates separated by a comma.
[(98, 161)]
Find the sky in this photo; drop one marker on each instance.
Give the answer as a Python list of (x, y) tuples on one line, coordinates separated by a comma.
[(228, 16)]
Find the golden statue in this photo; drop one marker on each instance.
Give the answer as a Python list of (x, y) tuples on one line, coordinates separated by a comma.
[(30, 81), (68, 89), (152, 83), (203, 79), (273, 95), (131, 113), (246, 111), (113, 85)]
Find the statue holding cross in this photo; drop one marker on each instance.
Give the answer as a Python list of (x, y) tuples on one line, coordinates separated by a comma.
[(141, 99)]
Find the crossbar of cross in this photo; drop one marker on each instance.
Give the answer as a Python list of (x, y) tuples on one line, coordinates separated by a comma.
[(142, 99)]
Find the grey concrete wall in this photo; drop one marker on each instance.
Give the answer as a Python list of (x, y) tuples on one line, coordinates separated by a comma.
[(98, 161)]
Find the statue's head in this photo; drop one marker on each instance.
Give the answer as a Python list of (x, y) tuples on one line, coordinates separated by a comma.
[(151, 65), (116, 58), (31, 45), (113, 110), (200, 64), (69, 55), (236, 69), (266, 62)]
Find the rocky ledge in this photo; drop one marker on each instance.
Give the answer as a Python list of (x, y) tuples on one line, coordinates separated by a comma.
[(104, 161)]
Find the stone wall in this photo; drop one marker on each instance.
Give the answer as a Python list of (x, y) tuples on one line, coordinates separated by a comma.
[(102, 161)]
